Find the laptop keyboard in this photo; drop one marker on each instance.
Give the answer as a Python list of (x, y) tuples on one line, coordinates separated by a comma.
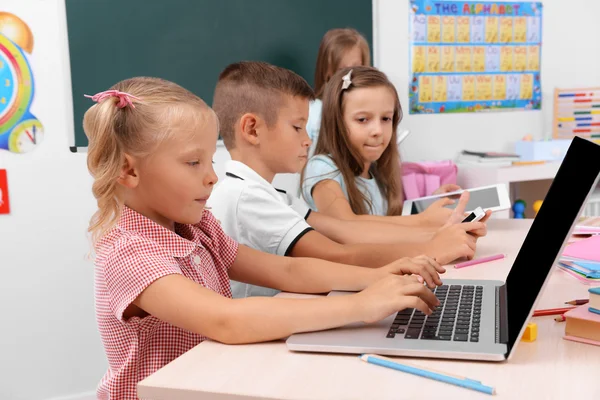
[(456, 318)]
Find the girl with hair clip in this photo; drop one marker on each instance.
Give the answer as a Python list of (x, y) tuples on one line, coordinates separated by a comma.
[(355, 170), (339, 48), (163, 263)]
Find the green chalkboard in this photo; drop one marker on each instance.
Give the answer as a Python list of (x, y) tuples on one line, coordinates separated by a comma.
[(191, 41)]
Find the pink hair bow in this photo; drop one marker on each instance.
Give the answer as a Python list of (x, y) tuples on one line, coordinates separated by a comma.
[(124, 98)]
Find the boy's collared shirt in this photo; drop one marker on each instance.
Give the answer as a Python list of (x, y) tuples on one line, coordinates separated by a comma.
[(134, 254), (256, 214)]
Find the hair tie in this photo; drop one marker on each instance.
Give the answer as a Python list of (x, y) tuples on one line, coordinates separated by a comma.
[(346, 82), (124, 98)]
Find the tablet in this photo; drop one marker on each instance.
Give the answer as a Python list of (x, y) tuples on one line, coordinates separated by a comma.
[(494, 198)]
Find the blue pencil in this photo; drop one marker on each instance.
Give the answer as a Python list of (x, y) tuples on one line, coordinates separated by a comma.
[(426, 373)]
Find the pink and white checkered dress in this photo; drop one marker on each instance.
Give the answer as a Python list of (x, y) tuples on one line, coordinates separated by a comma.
[(130, 257)]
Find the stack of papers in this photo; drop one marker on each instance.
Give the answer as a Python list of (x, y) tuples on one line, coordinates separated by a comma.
[(582, 260), (581, 269), (588, 226), (487, 158)]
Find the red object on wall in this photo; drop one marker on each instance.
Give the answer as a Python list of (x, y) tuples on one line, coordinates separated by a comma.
[(4, 203)]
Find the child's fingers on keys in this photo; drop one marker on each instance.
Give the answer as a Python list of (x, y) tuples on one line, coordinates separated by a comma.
[(414, 302), (424, 267), (403, 280), (431, 261), (427, 275), (423, 293), (402, 274), (411, 279)]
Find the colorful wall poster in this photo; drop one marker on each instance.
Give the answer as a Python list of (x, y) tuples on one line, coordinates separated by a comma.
[(468, 56), (20, 130)]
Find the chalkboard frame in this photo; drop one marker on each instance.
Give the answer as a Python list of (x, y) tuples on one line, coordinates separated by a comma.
[(111, 40)]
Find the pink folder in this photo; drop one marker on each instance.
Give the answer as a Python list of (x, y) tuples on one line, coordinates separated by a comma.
[(587, 249)]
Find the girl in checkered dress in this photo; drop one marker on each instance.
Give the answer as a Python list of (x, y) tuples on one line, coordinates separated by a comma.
[(163, 263)]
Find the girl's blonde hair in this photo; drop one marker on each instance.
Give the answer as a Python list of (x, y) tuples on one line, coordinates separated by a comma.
[(334, 141), (336, 43), (136, 130)]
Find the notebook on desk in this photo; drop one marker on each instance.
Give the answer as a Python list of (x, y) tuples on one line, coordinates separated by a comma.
[(586, 249), (583, 325), (479, 319)]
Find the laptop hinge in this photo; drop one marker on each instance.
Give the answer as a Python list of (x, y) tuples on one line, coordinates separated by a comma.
[(501, 315)]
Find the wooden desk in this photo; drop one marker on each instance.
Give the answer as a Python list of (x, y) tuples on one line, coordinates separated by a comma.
[(549, 368)]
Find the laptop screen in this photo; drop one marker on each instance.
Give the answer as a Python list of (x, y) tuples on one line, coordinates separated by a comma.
[(576, 178)]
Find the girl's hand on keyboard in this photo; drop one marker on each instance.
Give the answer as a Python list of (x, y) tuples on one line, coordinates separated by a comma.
[(392, 294), (424, 266)]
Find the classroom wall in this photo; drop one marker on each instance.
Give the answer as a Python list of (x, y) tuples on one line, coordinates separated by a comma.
[(49, 345), (570, 30)]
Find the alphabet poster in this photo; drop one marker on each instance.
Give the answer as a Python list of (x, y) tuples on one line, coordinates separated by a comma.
[(470, 56)]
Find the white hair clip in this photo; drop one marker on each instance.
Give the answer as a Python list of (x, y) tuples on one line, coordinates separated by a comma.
[(346, 82)]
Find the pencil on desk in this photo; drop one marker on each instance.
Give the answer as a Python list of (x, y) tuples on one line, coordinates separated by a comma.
[(578, 302), (551, 311), (428, 373), (560, 318)]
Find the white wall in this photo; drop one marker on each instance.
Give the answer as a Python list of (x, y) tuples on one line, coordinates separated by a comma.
[(48, 334), (49, 344), (570, 58)]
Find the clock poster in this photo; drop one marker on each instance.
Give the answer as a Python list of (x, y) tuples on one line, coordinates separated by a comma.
[(20, 130), (468, 56)]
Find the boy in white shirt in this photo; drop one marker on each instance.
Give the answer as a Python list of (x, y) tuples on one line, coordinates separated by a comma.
[(262, 112)]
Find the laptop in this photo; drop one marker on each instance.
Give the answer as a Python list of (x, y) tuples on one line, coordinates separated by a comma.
[(479, 319)]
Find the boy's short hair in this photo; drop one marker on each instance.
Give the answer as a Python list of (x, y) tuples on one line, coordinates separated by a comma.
[(255, 87)]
